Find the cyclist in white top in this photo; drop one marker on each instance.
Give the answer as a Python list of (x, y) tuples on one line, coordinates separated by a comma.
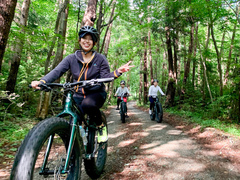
[(152, 93), (120, 91)]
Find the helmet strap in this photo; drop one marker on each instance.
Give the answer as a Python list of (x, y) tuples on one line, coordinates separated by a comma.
[(85, 52)]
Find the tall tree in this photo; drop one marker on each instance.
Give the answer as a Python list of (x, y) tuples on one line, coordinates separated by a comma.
[(150, 49), (7, 9), (190, 50), (231, 48), (12, 78), (216, 49), (109, 25), (171, 81), (194, 54), (145, 72), (56, 30)]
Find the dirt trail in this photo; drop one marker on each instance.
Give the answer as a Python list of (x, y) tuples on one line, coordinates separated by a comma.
[(142, 149), (145, 149)]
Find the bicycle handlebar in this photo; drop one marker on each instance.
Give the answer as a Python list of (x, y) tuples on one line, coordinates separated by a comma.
[(92, 82)]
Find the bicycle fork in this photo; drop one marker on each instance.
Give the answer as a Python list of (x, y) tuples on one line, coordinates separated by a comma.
[(67, 111), (45, 171)]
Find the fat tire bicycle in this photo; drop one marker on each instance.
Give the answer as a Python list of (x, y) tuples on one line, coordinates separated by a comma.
[(54, 148), (157, 111)]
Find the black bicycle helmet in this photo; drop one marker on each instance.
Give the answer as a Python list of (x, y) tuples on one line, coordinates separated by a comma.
[(122, 82), (155, 80), (88, 29)]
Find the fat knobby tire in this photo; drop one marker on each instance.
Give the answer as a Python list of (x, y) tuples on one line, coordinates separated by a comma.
[(94, 167), (23, 167), (123, 112), (159, 113)]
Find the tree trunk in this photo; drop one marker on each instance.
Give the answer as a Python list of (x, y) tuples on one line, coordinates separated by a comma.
[(99, 22), (145, 93), (12, 78), (171, 81), (218, 59), (56, 29), (190, 50), (90, 14), (61, 39), (156, 63), (230, 50), (107, 41), (204, 59), (109, 26), (205, 74), (217, 51), (150, 50), (110, 94), (175, 49), (140, 82), (7, 9), (194, 55), (203, 62)]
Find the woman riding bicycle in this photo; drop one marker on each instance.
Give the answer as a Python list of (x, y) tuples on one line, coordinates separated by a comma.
[(86, 64), (122, 91), (152, 93)]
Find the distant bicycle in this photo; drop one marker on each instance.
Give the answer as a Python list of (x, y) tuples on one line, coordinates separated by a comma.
[(54, 148), (123, 106), (157, 111)]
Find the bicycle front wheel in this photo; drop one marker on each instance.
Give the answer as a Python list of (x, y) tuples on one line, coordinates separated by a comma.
[(28, 164), (94, 165), (152, 116), (123, 111), (159, 113)]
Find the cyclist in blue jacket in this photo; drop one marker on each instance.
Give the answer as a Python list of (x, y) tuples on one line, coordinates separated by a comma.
[(152, 94), (86, 64)]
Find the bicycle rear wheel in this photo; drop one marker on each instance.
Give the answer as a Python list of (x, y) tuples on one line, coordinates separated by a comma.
[(30, 156), (95, 165), (159, 113), (123, 107)]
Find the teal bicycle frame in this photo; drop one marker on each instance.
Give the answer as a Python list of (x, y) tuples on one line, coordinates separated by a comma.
[(70, 109)]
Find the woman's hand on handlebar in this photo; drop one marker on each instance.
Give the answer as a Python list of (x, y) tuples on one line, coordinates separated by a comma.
[(35, 84)]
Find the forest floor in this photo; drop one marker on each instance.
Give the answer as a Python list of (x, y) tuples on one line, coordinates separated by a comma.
[(145, 149)]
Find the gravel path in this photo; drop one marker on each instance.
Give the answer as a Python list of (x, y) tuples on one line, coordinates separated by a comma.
[(145, 149), (142, 149)]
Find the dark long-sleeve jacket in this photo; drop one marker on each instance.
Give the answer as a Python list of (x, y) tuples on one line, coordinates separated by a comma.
[(97, 68)]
